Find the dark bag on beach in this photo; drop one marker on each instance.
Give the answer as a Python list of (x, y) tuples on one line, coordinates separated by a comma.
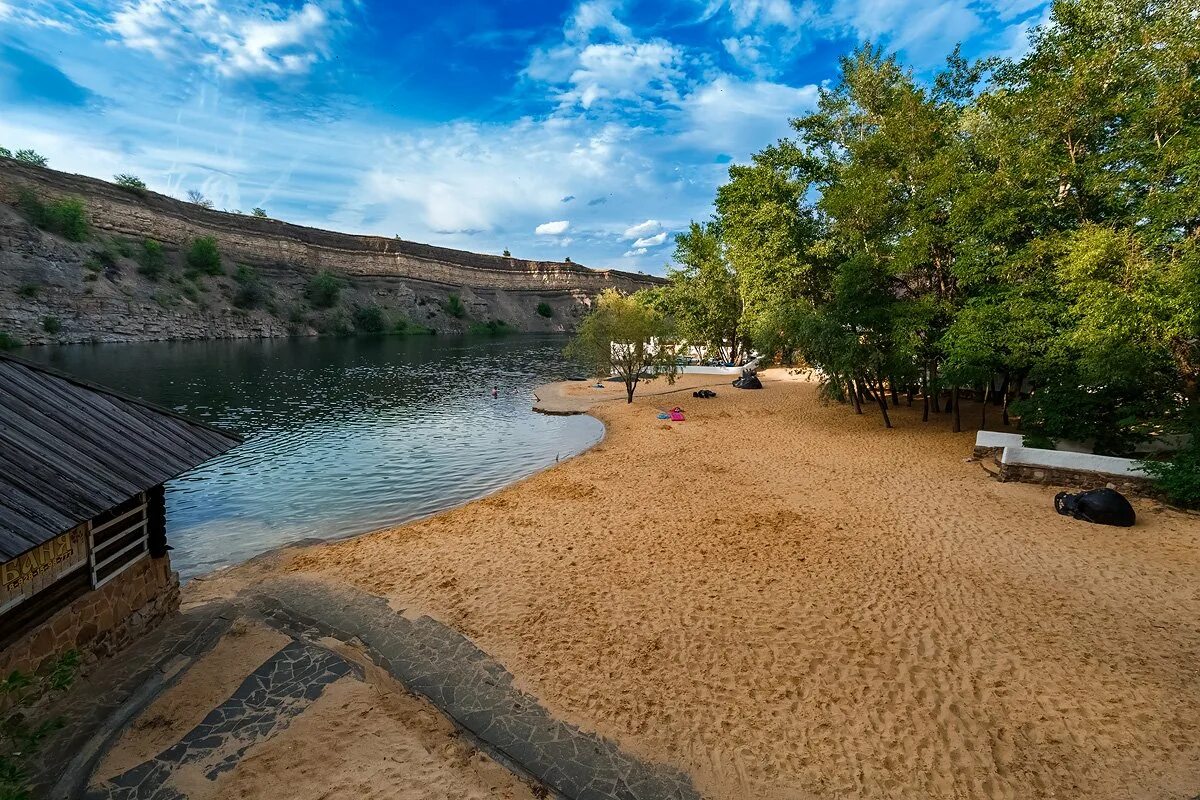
[(1101, 506)]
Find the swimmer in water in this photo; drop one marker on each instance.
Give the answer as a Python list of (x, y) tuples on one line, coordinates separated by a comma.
[(495, 391)]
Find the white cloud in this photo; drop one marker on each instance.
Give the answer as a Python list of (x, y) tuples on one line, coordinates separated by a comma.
[(641, 251), (263, 42), (595, 15), (651, 241), (740, 117), (628, 72), (642, 228), (552, 228)]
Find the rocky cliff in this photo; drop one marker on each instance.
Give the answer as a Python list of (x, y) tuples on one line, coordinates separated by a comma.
[(55, 289)]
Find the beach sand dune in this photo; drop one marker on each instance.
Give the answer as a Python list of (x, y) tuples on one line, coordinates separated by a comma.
[(789, 601)]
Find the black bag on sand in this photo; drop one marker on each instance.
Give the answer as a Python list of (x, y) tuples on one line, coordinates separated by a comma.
[(1101, 506), (748, 380)]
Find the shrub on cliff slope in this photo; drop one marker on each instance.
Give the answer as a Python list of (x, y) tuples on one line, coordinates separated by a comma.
[(152, 262), (324, 289), (66, 217), (545, 310), (251, 291), (29, 156), (454, 307), (131, 183), (203, 257), (369, 319)]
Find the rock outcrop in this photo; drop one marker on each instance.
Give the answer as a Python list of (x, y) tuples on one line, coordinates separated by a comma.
[(54, 290)]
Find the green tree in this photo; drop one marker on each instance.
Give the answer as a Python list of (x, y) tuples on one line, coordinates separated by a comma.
[(258, 212), (197, 197), (704, 297), (625, 337), (5, 152)]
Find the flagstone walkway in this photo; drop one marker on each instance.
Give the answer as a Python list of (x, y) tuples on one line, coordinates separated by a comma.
[(465, 684)]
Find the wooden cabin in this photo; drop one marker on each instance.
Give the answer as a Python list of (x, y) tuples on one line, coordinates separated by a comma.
[(84, 559)]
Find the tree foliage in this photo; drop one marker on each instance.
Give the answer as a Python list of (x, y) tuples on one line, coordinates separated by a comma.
[(624, 336), (1024, 230), (324, 289), (33, 157)]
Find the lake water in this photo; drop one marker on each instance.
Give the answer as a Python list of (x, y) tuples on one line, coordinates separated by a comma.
[(342, 435)]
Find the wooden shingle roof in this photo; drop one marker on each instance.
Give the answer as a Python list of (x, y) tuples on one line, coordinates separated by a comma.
[(70, 450)]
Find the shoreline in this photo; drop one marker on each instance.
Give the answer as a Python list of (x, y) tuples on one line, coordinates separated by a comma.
[(872, 616)]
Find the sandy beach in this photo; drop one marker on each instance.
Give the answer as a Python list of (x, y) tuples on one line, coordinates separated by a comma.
[(786, 600)]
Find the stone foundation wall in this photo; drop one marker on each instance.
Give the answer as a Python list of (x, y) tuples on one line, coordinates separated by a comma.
[(101, 623), (1079, 479)]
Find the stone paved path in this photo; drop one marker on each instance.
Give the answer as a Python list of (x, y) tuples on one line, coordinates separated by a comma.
[(282, 687), (464, 683), (475, 691)]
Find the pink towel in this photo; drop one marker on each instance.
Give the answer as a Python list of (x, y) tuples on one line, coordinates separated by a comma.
[(677, 416)]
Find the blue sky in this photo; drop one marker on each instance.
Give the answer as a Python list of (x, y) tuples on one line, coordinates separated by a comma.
[(594, 129)]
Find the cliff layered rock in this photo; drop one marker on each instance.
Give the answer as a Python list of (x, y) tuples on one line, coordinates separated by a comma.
[(55, 290)]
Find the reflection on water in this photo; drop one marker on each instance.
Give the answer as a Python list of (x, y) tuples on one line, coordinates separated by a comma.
[(342, 435)]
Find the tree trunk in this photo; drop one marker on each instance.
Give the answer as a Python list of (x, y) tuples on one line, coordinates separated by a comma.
[(895, 396), (910, 395), (881, 399), (957, 410), (983, 404), (855, 397), (933, 389)]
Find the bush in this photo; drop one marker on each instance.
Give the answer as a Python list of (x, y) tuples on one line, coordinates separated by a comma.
[(251, 291), (28, 290), (545, 310), (31, 157), (493, 327), (454, 307), (261, 213), (152, 261), (5, 152), (324, 290), (21, 736), (124, 247), (334, 324), (369, 319), (1179, 478), (203, 257), (130, 183), (66, 217), (9, 342), (51, 325)]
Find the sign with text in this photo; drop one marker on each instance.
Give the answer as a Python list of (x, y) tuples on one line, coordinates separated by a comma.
[(31, 572)]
